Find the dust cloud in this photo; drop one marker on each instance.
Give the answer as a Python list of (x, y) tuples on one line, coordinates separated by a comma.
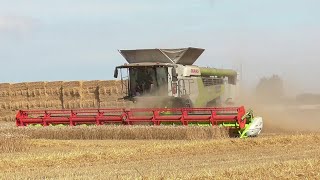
[(283, 109)]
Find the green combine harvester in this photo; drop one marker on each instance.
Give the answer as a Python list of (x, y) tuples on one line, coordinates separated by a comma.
[(166, 88)]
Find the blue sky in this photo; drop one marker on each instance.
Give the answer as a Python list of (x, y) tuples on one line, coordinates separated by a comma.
[(78, 39)]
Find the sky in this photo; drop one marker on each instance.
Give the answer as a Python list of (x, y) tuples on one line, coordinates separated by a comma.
[(78, 39)]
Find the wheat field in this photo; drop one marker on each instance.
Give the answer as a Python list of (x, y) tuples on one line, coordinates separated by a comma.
[(184, 153)]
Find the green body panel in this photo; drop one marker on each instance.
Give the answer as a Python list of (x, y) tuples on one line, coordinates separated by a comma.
[(207, 93), (217, 72)]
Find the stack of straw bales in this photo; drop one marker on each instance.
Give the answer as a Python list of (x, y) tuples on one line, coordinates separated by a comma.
[(72, 94), (109, 93), (5, 96), (19, 96), (5, 102), (59, 95), (54, 96), (36, 97), (90, 94)]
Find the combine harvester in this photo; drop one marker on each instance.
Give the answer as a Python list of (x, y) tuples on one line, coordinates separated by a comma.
[(174, 91)]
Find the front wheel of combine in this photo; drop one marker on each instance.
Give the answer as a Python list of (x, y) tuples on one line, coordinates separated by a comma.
[(181, 103), (215, 103)]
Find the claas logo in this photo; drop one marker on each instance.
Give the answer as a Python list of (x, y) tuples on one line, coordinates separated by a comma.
[(195, 71)]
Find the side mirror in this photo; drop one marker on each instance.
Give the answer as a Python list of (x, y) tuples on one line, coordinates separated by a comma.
[(174, 74), (115, 74)]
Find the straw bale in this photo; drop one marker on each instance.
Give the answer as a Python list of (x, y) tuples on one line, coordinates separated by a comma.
[(5, 85), (54, 84), (36, 89), (109, 98), (72, 104), (4, 90), (71, 84), (16, 105), (53, 89), (19, 92), (105, 91), (5, 96), (116, 90), (110, 104), (53, 104), (71, 90), (107, 83), (89, 104), (54, 95), (90, 85), (90, 91), (19, 86), (36, 104), (110, 90)]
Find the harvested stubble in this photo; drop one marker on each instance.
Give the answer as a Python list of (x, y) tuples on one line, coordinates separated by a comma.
[(278, 157), (122, 132)]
